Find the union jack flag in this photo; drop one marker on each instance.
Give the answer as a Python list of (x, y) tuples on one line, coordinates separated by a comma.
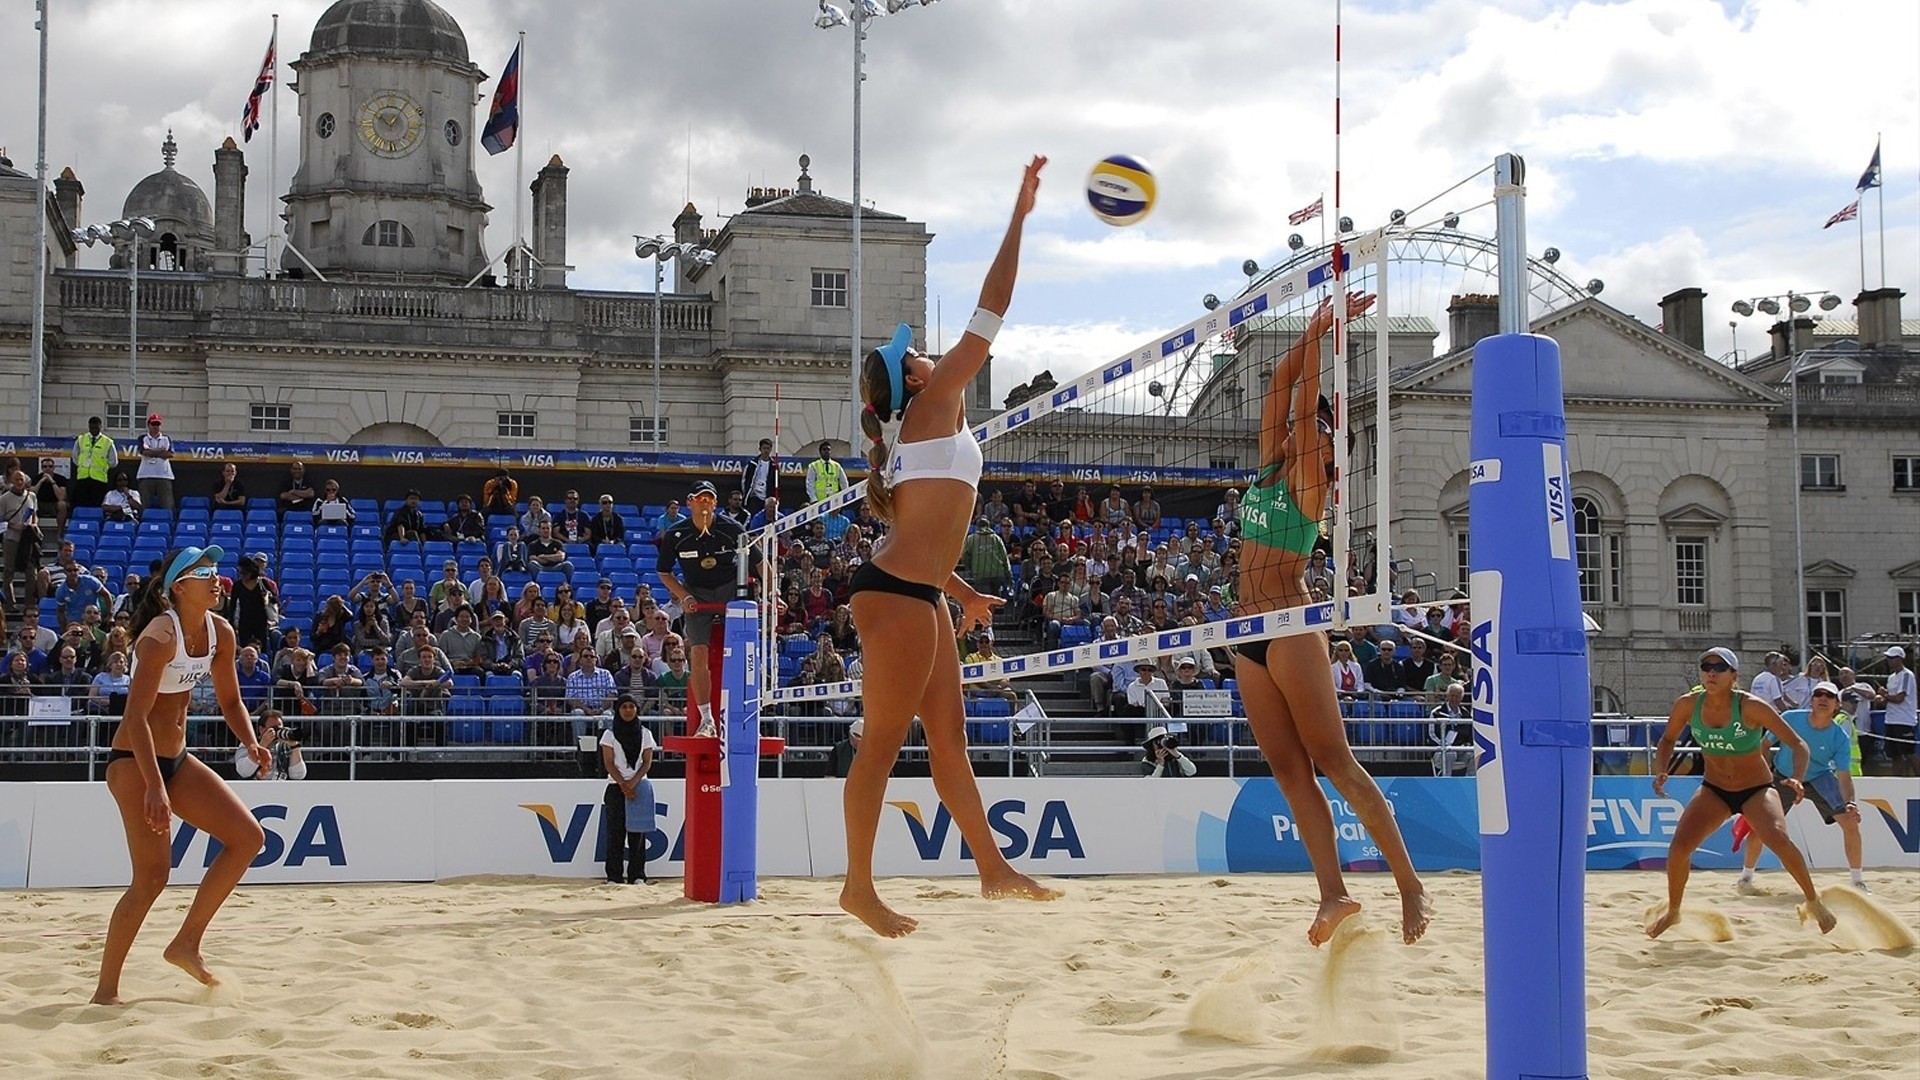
[(262, 85), (1307, 213), (1852, 211)]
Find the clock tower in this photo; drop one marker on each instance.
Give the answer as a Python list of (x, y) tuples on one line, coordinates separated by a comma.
[(386, 188)]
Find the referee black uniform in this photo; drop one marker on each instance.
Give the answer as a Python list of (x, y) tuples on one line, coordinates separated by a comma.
[(707, 563)]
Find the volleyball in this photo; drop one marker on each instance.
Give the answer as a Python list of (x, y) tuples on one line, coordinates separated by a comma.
[(1120, 190)]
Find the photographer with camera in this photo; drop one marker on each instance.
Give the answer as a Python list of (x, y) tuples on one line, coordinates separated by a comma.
[(1163, 757), (282, 740)]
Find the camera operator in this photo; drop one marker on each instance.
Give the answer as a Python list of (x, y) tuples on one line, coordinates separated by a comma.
[(1163, 757), (283, 742)]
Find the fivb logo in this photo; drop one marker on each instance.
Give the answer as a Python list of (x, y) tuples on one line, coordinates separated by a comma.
[(563, 842), (1906, 834), (1485, 642), (1053, 832)]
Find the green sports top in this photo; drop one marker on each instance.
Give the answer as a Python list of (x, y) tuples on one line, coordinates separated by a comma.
[(1734, 739), (1270, 516)]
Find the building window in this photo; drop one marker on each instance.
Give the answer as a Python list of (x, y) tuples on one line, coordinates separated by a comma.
[(1223, 464), (1690, 571), (1906, 473), (1616, 569), (1826, 617), (1908, 606), (1606, 702), (1589, 551), (119, 419), (640, 429), (516, 425), (1462, 559), (1820, 471), (1138, 460), (1051, 457), (387, 234), (830, 288), (1851, 378), (262, 417)]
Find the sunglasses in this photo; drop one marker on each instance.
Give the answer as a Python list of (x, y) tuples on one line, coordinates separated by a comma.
[(1824, 694), (201, 572), (1714, 667)]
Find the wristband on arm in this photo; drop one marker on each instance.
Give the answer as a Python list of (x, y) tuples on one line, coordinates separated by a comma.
[(984, 325)]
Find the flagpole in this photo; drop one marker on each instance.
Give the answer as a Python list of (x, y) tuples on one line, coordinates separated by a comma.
[(273, 143), (1880, 174), (520, 162), (1860, 229)]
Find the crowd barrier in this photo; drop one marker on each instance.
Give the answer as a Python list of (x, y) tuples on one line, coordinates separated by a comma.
[(66, 835)]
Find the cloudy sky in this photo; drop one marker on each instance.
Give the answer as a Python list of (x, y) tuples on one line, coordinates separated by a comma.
[(1669, 142)]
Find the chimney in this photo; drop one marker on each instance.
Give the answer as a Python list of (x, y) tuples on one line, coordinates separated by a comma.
[(550, 224), (229, 210), (686, 227), (1682, 313), (67, 193), (1471, 317), (1803, 333), (1777, 334), (1879, 317)]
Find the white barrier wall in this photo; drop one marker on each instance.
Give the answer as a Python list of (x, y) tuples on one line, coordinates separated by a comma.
[(61, 835)]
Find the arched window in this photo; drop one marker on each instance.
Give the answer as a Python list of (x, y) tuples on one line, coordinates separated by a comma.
[(387, 234), (1605, 701), (1596, 552)]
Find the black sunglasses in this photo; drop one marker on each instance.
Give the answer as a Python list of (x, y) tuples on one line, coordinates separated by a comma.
[(1715, 667), (1825, 694)]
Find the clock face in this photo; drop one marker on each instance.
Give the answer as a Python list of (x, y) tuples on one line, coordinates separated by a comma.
[(390, 124)]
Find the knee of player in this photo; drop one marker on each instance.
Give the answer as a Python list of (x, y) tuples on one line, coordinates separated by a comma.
[(250, 839)]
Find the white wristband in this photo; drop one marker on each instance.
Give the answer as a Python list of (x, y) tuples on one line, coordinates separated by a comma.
[(984, 325)]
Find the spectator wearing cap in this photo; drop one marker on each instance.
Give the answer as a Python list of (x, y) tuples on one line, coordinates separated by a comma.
[(449, 578), (759, 478), (844, 751), (699, 564), (1163, 756), (407, 525), (465, 523), (1900, 700), (296, 491), (1146, 680), (156, 466), (607, 526), (825, 476), (500, 651), (983, 654), (1186, 676), (1217, 608)]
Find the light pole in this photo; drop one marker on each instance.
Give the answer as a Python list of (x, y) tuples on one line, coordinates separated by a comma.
[(1796, 303), (37, 392), (860, 13), (659, 250), (126, 233)]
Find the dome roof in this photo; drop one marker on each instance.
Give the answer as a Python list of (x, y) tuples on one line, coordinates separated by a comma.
[(169, 196), (393, 27)]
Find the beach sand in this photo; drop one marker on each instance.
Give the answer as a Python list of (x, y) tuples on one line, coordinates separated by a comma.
[(1127, 977)]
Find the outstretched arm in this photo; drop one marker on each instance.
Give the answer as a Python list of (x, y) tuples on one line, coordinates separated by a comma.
[(962, 362), (1284, 410)]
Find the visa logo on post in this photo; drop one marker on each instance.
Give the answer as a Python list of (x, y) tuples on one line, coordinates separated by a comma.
[(1485, 642), (318, 837), (1053, 832), (1559, 522), (1906, 834)]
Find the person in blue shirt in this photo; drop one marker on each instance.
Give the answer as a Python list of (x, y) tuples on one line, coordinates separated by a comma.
[(256, 679), (672, 517), (1829, 782), (79, 591), (768, 513)]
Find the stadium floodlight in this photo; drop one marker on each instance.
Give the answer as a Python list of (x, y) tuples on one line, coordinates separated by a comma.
[(660, 250), (1768, 306), (1210, 302), (1397, 217), (125, 234), (1451, 221), (1550, 256), (1741, 307), (1250, 268), (829, 16), (1829, 302), (1595, 286), (1798, 304), (1346, 224), (895, 7), (1295, 241)]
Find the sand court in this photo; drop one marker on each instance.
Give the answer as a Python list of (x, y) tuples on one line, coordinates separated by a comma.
[(1127, 977)]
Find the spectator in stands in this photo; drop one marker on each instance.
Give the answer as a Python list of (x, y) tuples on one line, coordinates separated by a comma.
[(768, 514), (1125, 618), (453, 600), (1085, 510), (296, 491), (1446, 672), (296, 682), (256, 679), (995, 509), (380, 683), (672, 682), (122, 503), (510, 554), (1114, 510), (569, 629), (19, 509), (1216, 607), (1229, 509), (1029, 509), (94, 456), (427, 685), (408, 525), (24, 644), (564, 605), (370, 627), (659, 629), (606, 527), (1899, 699), (332, 625), (1061, 609), (1163, 756), (229, 493), (547, 686), (1417, 668), (420, 640), (546, 555), (501, 651), (1186, 676), (409, 604), (1146, 680), (341, 683), (156, 466), (1383, 671), (449, 579), (599, 606), (18, 685), (1160, 614), (523, 608), (590, 689), (983, 654), (1348, 677), (825, 476), (464, 524), (606, 638), (840, 628), (1450, 728), (1146, 512), (843, 751), (65, 677), (107, 695), (51, 488), (500, 495), (632, 667), (760, 478), (536, 515), (674, 515), (536, 625), (460, 644), (736, 510), (78, 592), (375, 588), (333, 507), (289, 642), (572, 525)]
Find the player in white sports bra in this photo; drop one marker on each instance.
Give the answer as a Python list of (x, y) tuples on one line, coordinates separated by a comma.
[(178, 642), (925, 486)]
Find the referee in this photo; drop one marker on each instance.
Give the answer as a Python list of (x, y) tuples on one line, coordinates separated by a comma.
[(700, 565)]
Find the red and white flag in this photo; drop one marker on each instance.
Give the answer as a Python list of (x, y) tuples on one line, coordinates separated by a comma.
[(1307, 213), (262, 86), (1852, 211)]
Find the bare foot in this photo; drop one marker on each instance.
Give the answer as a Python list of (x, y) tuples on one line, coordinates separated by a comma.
[(102, 997), (866, 905), (1818, 912), (187, 959), (1332, 913), (1416, 911), (1011, 884), (1664, 923)]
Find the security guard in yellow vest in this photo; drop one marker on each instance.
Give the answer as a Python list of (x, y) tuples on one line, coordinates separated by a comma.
[(94, 456), (825, 477)]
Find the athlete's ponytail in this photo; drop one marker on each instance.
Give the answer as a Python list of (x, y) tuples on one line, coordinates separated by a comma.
[(150, 600), (876, 389)]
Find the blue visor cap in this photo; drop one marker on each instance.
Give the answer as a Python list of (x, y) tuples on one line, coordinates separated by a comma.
[(186, 558), (894, 352)]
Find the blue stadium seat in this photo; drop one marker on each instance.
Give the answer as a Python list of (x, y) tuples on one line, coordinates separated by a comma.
[(1075, 635)]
